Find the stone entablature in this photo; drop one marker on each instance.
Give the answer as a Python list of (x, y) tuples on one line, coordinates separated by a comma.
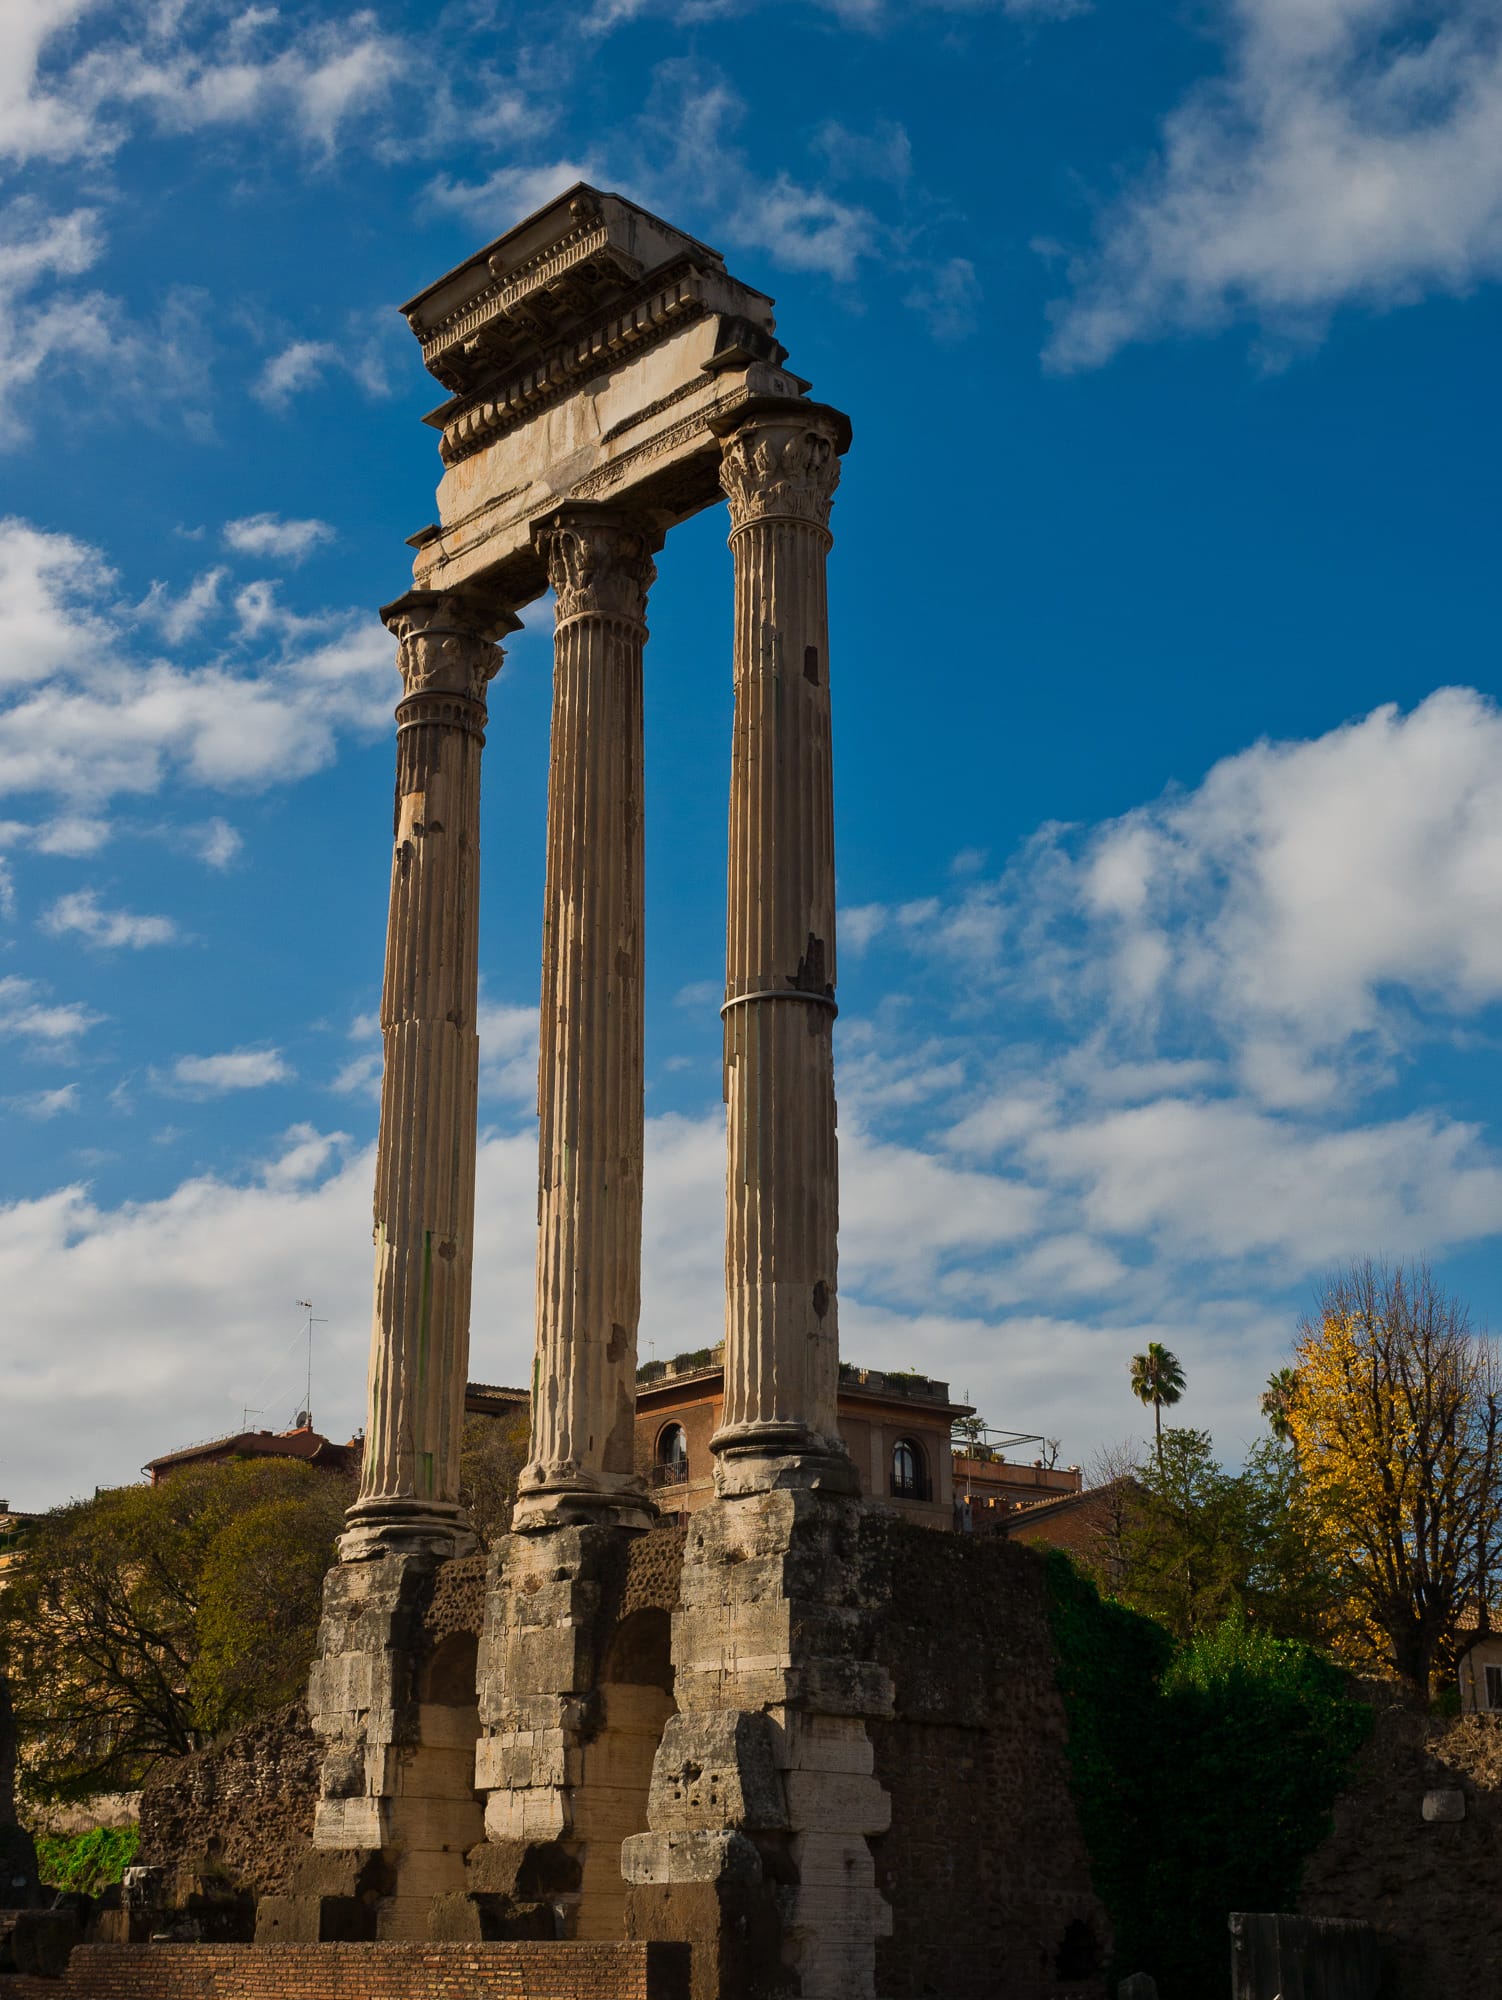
[(588, 349)]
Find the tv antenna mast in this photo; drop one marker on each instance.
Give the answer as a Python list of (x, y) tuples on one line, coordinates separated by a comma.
[(307, 1408)]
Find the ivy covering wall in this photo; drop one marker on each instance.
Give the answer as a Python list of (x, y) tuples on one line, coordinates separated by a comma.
[(1203, 1774)]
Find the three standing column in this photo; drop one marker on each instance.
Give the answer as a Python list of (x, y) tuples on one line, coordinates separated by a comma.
[(425, 1160), (590, 1073), (780, 467)]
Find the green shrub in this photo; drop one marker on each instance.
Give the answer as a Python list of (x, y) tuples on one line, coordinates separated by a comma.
[(1203, 1775), (87, 1862)]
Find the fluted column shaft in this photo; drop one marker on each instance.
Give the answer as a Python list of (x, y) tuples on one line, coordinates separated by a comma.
[(779, 471), (590, 1070), (425, 1158)]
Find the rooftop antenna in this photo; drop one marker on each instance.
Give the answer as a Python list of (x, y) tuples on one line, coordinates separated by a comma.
[(246, 1413), (307, 1408)]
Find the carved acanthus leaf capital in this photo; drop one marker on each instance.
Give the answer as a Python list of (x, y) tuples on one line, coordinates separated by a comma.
[(444, 643), (600, 566), (780, 468)]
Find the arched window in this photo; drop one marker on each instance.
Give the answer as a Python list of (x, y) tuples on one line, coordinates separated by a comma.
[(909, 1472), (671, 1468)]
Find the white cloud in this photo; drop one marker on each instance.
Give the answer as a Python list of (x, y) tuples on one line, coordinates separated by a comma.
[(80, 912), (50, 587), (26, 1012), (35, 124), (303, 364), (1223, 1180), (180, 617), (1308, 903), (97, 721), (72, 834), (272, 535), (873, 15), (505, 196), (305, 1157), (216, 842), (47, 1104), (236, 1069), (300, 366), (807, 229), (1351, 154), (508, 1052), (312, 83)]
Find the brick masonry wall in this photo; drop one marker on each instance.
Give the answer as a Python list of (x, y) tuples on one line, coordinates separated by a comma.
[(458, 1600), (985, 1867), (654, 1565), (367, 1972), (242, 1810)]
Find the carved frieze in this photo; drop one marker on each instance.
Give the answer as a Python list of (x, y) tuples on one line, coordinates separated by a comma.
[(782, 468)]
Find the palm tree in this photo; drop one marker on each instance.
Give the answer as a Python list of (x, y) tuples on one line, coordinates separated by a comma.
[(1158, 1379), (1277, 1403)]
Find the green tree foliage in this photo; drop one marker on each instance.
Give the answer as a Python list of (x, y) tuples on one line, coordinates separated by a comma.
[(1157, 1380), (1200, 1543), (147, 1619), (492, 1454), (1203, 1774), (1277, 1400), (260, 1593), (87, 1862)]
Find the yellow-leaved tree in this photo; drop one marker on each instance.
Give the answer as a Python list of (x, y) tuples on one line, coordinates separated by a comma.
[(1394, 1413)]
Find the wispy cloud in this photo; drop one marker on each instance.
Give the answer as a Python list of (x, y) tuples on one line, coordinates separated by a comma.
[(276, 537), (1350, 154), (44, 1105), (236, 1069), (80, 912), (98, 720), (27, 1013)]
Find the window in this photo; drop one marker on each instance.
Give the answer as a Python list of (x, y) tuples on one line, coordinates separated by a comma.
[(909, 1471), (1494, 1687), (671, 1468)]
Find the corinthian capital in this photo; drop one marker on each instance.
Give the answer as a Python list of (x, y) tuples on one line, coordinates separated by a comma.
[(446, 642), (599, 564), (782, 467)]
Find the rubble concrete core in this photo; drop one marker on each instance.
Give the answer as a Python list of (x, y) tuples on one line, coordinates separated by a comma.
[(597, 1770)]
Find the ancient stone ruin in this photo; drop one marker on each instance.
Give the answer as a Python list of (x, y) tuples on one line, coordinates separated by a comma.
[(608, 377), (672, 1752)]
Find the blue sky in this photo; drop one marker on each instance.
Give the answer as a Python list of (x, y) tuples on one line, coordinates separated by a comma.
[(1164, 613)]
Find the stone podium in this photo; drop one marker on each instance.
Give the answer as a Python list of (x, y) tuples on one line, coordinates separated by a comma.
[(607, 378)]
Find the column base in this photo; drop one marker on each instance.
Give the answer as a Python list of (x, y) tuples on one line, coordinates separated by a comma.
[(377, 1527), (550, 1499), (775, 1457)]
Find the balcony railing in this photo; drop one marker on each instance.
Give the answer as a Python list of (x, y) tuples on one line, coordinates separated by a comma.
[(674, 1474)]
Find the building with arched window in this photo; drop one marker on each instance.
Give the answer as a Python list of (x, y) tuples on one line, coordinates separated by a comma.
[(897, 1425)]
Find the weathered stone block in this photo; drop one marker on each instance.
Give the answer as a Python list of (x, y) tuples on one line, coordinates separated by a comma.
[(288, 1920), (529, 1816), (823, 1800), (357, 1822), (710, 1856), (717, 1770)]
